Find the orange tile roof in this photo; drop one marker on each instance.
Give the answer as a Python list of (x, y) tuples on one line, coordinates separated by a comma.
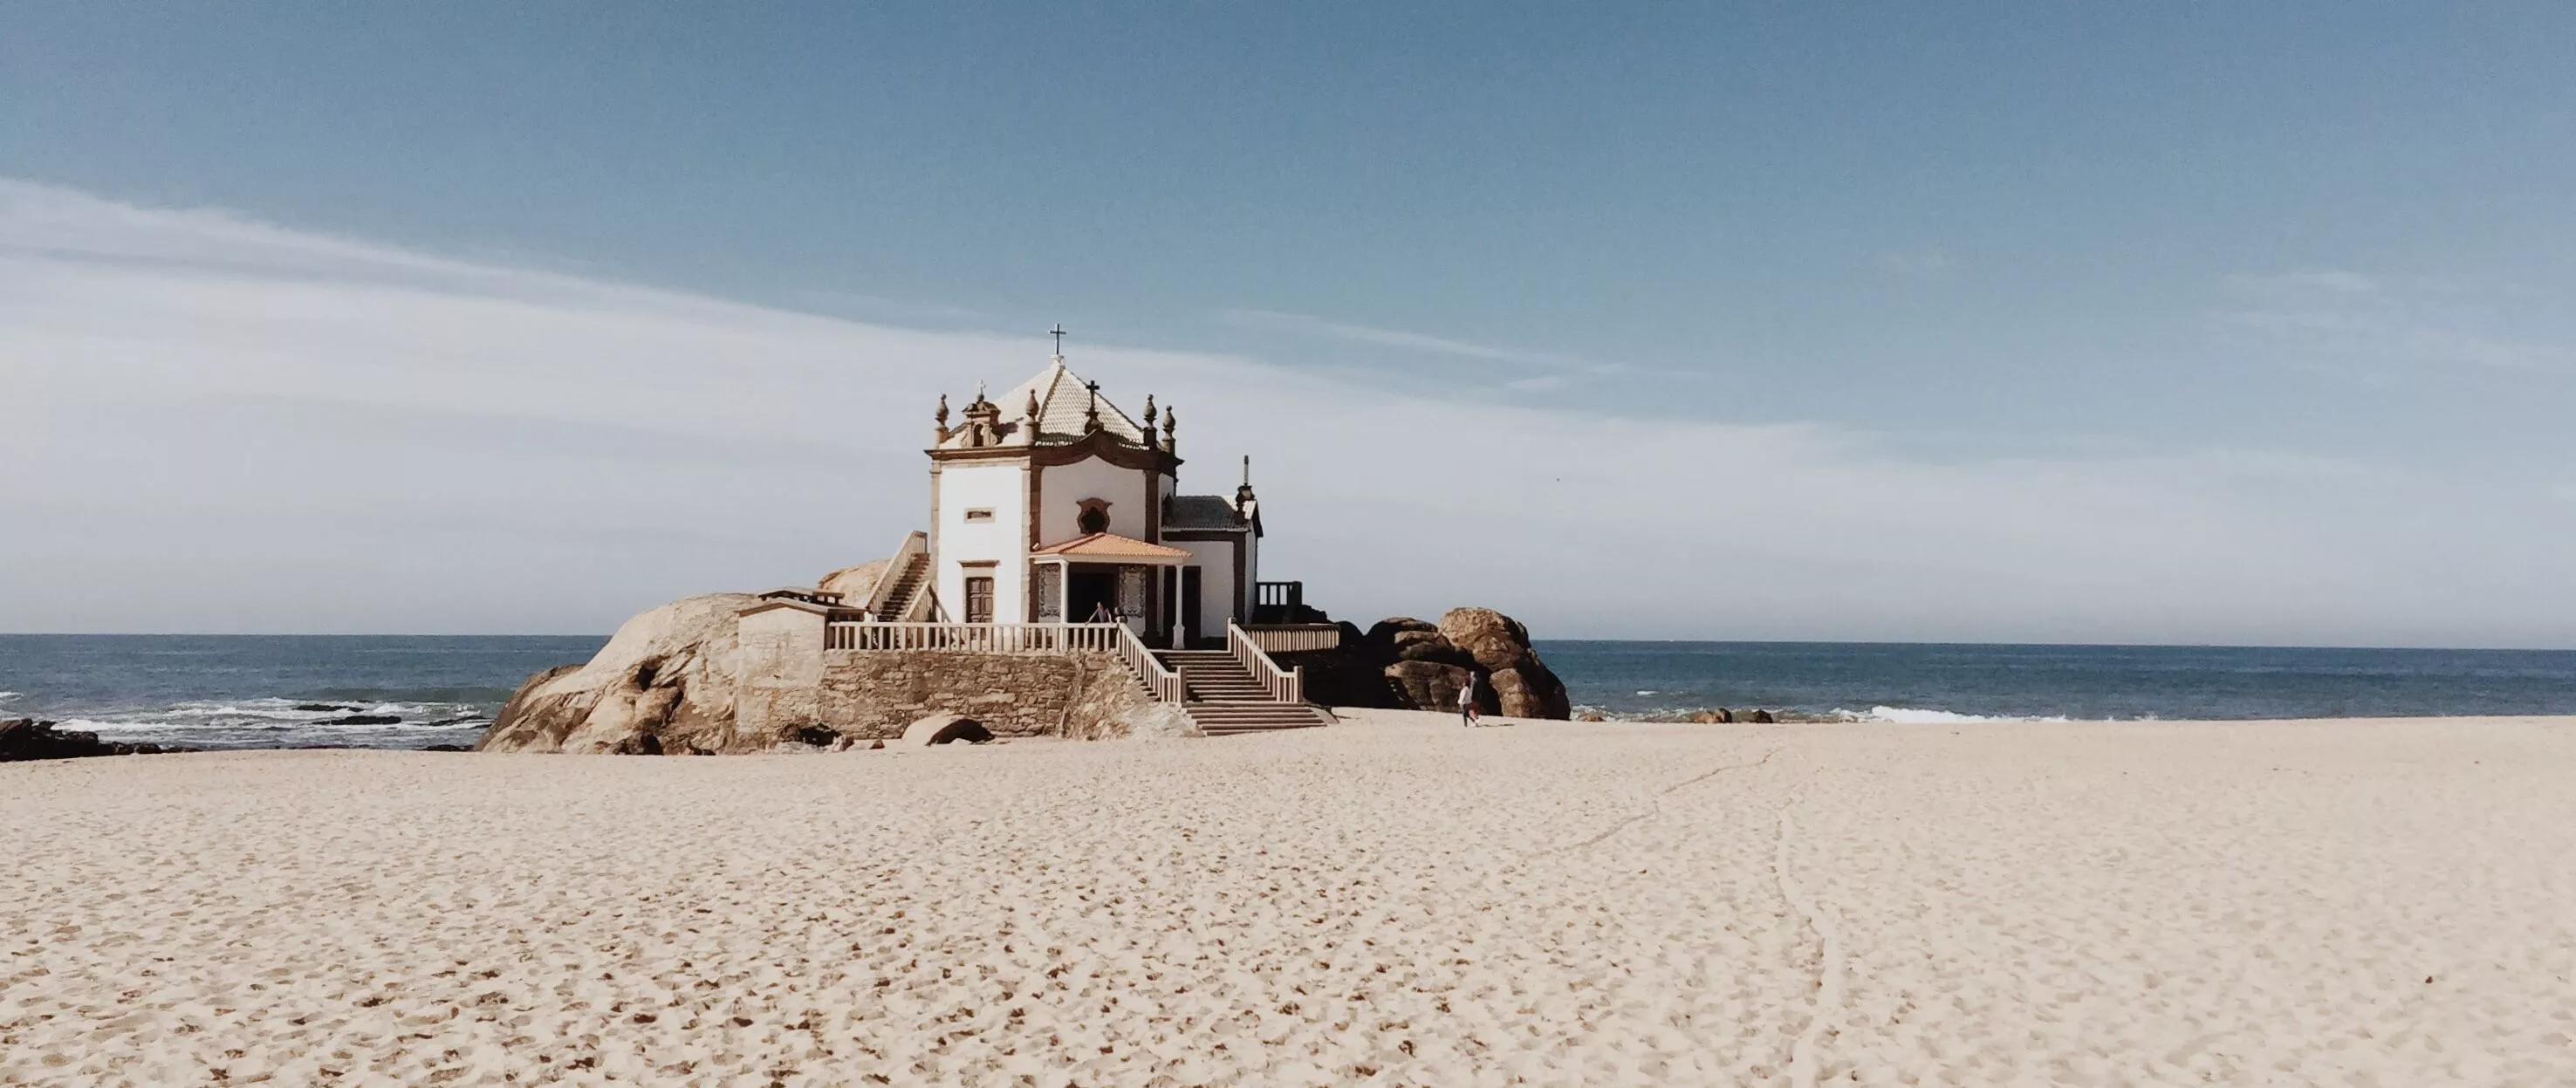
[(1109, 546)]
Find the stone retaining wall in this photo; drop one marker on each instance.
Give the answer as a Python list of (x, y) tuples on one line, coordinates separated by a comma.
[(874, 694)]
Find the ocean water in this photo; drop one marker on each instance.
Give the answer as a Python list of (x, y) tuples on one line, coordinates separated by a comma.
[(237, 691), (1934, 682), (260, 691)]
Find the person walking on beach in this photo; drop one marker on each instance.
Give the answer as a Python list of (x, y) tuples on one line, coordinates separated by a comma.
[(1467, 703)]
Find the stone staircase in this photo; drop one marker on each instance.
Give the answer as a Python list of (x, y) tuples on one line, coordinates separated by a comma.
[(907, 590), (1223, 697)]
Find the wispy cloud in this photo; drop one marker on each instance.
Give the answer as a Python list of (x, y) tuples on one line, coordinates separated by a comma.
[(2361, 325), (2302, 284), (1562, 369), (1914, 264), (881, 307), (278, 431)]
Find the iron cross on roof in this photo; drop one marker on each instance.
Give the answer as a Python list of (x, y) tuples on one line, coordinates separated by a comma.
[(1058, 333)]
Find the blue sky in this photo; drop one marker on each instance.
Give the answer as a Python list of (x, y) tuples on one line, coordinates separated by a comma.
[(2325, 240)]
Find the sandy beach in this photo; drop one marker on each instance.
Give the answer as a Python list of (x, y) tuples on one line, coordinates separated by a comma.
[(1393, 901)]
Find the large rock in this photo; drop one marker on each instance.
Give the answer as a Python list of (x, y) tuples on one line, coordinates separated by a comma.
[(1427, 685), (1409, 664), (1494, 640), (1382, 635), (854, 584), (665, 683), (1157, 721), (1523, 686), (944, 729), (1431, 646)]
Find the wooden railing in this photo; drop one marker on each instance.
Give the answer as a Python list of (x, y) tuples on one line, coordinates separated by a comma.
[(808, 596), (1165, 684), (1284, 685), (1289, 638), (979, 638)]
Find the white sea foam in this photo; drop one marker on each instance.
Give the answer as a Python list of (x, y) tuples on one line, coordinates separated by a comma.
[(85, 725), (210, 718), (1650, 691), (1906, 715)]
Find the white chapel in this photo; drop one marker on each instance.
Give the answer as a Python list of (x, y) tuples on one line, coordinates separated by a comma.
[(1051, 504)]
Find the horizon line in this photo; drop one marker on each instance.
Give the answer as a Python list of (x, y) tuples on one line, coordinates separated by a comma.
[(1535, 639)]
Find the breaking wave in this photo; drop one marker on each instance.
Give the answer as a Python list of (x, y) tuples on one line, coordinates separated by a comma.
[(286, 723)]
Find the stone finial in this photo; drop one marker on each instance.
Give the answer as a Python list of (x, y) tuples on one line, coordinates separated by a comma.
[(1149, 411), (1171, 422), (942, 417), (983, 422), (1243, 493)]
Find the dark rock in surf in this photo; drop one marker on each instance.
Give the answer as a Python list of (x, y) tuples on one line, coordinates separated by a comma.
[(29, 739)]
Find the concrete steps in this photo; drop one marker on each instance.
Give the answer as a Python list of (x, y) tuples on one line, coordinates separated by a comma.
[(1214, 676), (1223, 697), (1220, 719)]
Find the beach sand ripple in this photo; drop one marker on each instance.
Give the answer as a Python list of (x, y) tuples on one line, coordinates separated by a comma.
[(1395, 901)]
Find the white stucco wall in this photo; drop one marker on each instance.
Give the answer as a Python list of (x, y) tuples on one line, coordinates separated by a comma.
[(1003, 489), (1215, 560), (1130, 492)]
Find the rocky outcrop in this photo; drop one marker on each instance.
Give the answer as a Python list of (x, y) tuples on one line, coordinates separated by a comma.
[(854, 584), (1409, 664), (675, 680), (1523, 686), (1427, 685), (28, 739), (664, 684), (1154, 721)]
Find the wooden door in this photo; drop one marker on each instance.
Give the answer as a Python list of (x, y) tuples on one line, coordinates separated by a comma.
[(979, 600)]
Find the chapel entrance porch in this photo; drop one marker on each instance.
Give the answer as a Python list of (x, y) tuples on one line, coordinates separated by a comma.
[(1134, 581), (1091, 588)]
